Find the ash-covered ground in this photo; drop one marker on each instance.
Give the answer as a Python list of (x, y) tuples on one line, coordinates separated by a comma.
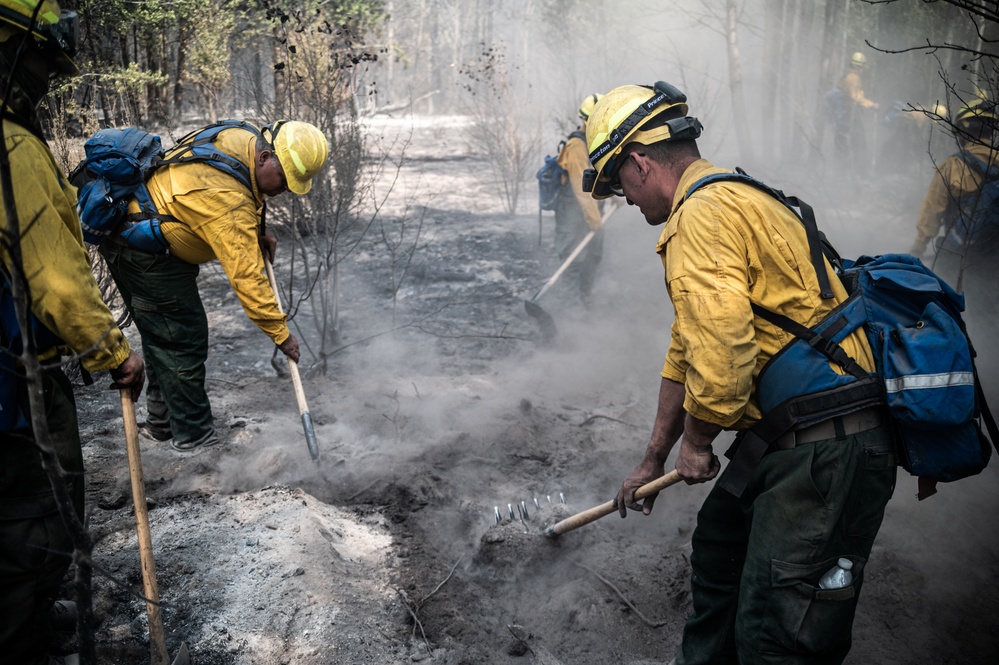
[(387, 551)]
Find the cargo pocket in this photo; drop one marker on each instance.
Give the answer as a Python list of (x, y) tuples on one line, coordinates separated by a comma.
[(803, 619), (161, 321)]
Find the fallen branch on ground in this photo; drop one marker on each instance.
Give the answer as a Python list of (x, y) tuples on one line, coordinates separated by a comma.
[(595, 417), (653, 624)]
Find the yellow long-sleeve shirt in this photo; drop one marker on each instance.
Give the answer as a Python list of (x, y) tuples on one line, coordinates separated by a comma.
[(216, 217), (851, 85), (575, 159), (64, 294), (953, 180), (726, 247)]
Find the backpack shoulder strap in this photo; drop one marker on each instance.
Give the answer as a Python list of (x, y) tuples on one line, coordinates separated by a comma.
[(979, 165), (575, 134), (821, 342), (818, 246), (198, 146)]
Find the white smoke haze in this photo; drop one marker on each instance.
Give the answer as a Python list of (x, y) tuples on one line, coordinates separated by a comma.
[(465, 410)]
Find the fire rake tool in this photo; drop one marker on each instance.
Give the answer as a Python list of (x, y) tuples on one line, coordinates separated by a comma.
[(296, 379), (604, 509), (157, 639)]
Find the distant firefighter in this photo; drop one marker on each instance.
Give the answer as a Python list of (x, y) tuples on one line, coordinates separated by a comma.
[(849, 126), (962, 205), (576, 213)]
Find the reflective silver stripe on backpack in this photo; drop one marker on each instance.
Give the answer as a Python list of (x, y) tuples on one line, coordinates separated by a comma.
[(921, 381)]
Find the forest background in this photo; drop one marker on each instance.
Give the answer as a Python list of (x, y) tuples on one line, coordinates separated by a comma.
[(503, 79), (757, 72)]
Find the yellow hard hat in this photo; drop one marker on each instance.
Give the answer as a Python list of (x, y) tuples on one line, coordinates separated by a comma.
[(301, 149), (977, 109), (619, 118), (586, 108), (858, 59), (53, 28), (940, 110)]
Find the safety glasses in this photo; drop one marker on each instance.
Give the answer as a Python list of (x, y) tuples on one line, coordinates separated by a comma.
[(615, 180)]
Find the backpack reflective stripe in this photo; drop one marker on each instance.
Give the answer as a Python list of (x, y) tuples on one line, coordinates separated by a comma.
[(928, 381), (925, 372)]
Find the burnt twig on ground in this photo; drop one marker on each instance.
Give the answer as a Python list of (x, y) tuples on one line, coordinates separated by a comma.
[(597, 416), (363, 489), (414, 608), (653, 624)]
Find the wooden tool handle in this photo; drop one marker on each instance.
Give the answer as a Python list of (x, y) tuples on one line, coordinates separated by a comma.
[(604, 509), (572, 257), (157, 638), (296, 378)]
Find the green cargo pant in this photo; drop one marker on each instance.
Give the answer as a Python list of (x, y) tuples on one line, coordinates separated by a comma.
[(570, 229), (161, 293), (35, 547), (757, 560)]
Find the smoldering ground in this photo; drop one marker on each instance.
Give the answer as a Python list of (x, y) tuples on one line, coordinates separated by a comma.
[(392, 553)]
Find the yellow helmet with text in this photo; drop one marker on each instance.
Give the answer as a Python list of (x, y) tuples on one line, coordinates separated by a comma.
[(53, 29), (586, 108), (301, 149), (632, 114)]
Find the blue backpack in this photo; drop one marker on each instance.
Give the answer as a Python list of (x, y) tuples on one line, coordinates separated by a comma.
[(551, 177), (925, 371), (11, 345), (977, 218), (117, 165)]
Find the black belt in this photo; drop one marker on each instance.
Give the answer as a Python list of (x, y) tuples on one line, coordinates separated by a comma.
[(852, 423), (749, 448)]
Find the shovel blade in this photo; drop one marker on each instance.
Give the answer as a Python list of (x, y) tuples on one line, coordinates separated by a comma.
[(544, 319), (183, 656), (310, 436)]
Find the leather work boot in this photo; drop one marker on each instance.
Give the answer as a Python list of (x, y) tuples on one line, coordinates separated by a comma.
[(69, 659), (62, 616), (155, 433)]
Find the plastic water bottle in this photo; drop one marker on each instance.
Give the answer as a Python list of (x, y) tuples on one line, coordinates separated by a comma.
[(839, 576)]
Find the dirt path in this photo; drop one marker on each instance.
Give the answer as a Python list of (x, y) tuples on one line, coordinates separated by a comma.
[(388, 551)]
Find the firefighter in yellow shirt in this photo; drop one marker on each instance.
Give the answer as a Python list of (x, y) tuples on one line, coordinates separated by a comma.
[(68, 318), (576, 213), (728, 249), (959, 215), (847, 102), (208, 214)]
